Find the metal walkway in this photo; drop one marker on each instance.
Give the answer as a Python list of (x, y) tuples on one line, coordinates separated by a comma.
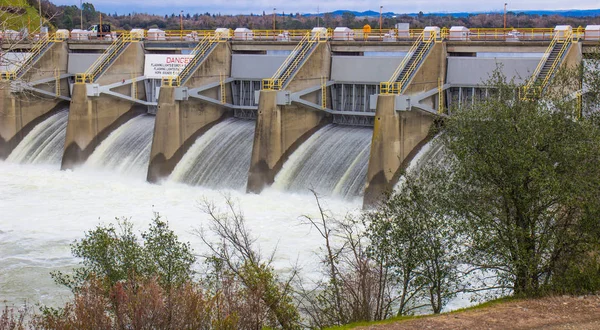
[(294, 62), (555, 54), (109, 56), (37, 52), (201, 53), (417, 54)]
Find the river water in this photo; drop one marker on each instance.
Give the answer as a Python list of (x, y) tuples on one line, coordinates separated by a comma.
[(43, 210)]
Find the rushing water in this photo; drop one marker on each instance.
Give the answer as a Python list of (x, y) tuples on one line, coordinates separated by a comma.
[(43, 209), (127, 149), (333, 161), (220, 158), (45, 143)]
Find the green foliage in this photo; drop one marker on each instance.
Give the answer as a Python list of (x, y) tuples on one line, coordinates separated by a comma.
[(526, 181), (18, 14), (115, 254), (418, 241)]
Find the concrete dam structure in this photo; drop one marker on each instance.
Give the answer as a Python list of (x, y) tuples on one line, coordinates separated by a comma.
[(316, 110)]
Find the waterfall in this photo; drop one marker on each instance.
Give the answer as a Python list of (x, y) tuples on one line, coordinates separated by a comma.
[(45, 143), (220, 158), (333, 161), (127, 149)]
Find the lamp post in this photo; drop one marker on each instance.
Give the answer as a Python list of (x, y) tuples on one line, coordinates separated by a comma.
[(81, 14), (380, 22), (40, 8), (181, 23), (274, 9), (505, 14)]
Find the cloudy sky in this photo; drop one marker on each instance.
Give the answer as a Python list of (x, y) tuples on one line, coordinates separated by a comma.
[(311, 6)]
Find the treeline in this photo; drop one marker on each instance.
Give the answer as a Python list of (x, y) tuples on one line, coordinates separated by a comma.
[(69, 17)]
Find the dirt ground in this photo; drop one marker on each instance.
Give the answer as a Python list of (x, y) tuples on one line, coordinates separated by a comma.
[(564, 312)]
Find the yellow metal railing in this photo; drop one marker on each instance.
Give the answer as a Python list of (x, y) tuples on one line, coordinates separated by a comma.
[(8, 75), (323, 92), (222, 87), (291, 63), (57, 82), (134, 90), (395, 86), (440, 96), (107, 58), (559, 38), (171, 81), (36, 51), (199, 52), (475, 34), (274, 82)]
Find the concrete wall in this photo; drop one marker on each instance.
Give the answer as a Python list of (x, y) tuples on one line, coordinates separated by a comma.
[(20, 112), (317, 66), (79, 63), (362, 69), (179, 123), (93, 118), (397, 136), (475, 71), (433, 68), (255, 67)]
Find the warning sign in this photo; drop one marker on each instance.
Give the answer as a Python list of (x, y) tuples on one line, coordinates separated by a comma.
[(158, 66)]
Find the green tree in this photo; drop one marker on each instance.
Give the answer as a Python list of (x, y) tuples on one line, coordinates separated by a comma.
[(115, 254), (525, 183), (418, 241), (348, 19)]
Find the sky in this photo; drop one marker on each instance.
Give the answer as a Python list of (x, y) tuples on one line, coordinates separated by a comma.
[(312, 6)]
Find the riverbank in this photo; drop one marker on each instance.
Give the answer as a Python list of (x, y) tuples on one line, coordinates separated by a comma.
[(559, 312)]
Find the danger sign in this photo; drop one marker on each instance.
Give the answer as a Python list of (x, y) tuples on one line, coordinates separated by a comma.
[(159, 66)]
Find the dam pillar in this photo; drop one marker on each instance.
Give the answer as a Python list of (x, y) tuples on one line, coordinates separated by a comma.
[(21, 109), (93, 116), (282, 125), (180, 119), (397, 137)]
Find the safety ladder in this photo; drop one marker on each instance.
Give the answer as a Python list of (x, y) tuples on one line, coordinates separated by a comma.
[(416, 55), (109, 56), (548, 65), (37, 51), (294, 61), (201, 53)]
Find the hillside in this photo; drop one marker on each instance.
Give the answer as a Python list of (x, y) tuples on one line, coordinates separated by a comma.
[(18, 14), (564, 312)]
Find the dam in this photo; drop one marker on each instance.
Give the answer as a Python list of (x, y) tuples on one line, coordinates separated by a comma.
[(336, 111)]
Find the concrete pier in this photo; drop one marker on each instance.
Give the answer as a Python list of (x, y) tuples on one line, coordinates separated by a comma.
[(180, 122), (21, 109), (93, 118), (281, 127)]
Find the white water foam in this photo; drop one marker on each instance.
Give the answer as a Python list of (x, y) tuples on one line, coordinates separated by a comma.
[(333, 162), (43, 210), (126, 150), (45, 143)]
